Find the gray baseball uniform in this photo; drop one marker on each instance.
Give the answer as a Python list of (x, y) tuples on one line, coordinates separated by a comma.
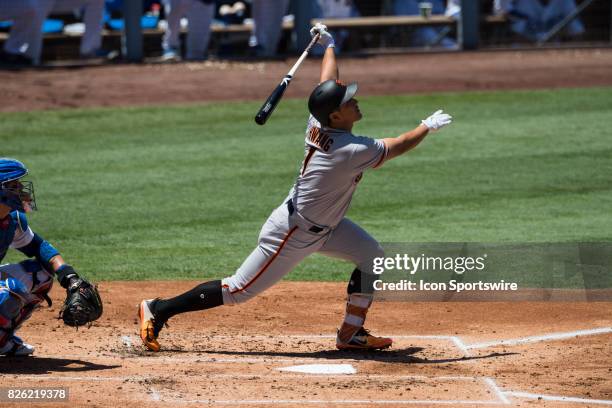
[(312, 217)]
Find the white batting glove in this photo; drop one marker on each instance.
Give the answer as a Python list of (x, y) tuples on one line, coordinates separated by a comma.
[(326, 40), (437, 120)]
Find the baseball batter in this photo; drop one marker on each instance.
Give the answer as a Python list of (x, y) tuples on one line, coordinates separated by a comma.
[(312, 217)]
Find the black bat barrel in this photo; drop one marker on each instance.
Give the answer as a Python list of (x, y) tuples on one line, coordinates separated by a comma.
[(270, 104)]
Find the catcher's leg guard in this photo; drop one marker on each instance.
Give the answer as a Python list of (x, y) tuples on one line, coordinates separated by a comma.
[(26, 285), (36, 279), (13, 309)]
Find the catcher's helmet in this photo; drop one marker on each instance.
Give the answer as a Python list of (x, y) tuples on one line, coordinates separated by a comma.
[(13, 194), (327, 97), (11, 169)]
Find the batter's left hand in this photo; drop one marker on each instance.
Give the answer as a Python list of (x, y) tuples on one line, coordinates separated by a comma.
[(326, 39), (437, 120)]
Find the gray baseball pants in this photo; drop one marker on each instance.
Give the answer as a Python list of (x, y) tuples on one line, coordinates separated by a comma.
[(285, 239)]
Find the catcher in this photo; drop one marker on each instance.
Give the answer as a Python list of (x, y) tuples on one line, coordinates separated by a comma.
[(25, 285)]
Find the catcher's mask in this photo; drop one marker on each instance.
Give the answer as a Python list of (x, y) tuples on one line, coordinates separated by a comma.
[(17, 194)]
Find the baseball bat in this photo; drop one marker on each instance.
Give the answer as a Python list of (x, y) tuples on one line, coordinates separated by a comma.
[(270, 104)]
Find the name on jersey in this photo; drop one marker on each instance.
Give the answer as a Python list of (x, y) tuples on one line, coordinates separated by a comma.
[(320, 139)]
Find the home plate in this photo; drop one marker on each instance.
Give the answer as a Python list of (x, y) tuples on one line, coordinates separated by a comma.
[(321, 369)]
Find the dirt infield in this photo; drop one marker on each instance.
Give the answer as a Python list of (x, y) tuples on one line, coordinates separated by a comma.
[(125, 85), (445, 354)]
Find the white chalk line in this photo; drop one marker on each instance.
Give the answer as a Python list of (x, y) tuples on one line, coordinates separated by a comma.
[(501, 399), (60, 378), (154, 395), (335, 402), (496, 390), (558, 398), (274, 375), (460, 345), (501, 395), (534, 339)]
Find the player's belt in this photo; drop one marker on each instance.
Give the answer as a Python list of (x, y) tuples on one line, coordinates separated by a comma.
[(314, 229)]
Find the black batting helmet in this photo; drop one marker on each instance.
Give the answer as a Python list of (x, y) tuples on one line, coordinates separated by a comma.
[(327, 97)]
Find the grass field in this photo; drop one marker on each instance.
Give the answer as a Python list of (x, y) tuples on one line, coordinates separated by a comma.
[(181, 192)]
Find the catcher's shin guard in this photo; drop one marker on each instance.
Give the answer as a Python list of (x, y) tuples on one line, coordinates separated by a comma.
[(14, 310), (33, 276)]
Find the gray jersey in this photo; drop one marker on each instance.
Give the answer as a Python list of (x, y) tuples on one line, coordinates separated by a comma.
[(333, 165)]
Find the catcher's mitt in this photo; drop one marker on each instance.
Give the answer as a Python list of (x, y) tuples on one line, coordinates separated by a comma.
[(82, 305)]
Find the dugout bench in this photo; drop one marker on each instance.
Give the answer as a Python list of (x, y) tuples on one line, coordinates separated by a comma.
[(62, 46)]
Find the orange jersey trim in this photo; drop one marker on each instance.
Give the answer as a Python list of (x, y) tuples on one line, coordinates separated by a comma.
[(267, 263), (308, 157)]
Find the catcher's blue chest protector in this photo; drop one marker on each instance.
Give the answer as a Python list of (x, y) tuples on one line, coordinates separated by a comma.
[(7, 231)]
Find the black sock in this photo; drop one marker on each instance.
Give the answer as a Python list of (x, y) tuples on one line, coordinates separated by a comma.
[(204, 296)]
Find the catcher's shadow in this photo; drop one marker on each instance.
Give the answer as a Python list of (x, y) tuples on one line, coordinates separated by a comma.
[(47, 365)]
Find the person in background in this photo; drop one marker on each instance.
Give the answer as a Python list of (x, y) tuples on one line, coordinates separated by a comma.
[(267, 26), (199, 15), (232, 12), (533, 19), (336, 9), (424, 36), (92, 14), (24, 45)]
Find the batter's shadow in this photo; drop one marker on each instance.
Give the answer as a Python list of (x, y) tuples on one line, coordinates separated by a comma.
[(48, 365), (401, 356)]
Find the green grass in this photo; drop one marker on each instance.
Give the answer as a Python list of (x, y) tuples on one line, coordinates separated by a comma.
[(181, 192)]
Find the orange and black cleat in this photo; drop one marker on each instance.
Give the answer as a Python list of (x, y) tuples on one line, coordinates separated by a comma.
[(363, 340), (149, 327)]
